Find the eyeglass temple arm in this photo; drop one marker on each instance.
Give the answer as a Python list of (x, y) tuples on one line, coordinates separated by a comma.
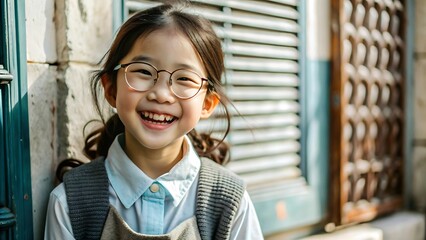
[(211, 85), (119, 66)]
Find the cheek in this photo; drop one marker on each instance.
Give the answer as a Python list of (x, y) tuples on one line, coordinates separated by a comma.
[(125, 99), (193, 108)]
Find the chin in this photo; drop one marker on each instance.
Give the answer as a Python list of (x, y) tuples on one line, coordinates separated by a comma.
[(160, 145)]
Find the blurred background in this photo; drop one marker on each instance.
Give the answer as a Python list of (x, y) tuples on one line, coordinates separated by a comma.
[(329, 137)]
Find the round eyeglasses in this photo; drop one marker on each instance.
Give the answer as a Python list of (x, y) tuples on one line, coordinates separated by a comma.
[(142, 76)]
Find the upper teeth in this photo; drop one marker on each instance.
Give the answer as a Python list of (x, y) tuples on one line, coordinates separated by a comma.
[(158, 117)]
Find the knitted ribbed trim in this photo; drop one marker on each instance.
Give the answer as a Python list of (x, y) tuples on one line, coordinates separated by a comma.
[(219, 195), (86, 188)]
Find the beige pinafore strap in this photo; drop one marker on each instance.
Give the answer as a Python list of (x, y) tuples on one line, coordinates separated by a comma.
[(116, 228)]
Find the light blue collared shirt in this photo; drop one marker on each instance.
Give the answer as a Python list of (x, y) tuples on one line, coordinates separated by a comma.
[(174, 193)]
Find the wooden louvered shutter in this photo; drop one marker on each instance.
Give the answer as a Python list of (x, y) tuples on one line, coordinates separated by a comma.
[(262, 56), (260, 45), (368, 109)]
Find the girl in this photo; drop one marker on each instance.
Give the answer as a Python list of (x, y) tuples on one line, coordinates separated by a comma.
[(150, 178)]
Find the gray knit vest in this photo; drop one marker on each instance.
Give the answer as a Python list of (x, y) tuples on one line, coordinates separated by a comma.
[(219, 195)]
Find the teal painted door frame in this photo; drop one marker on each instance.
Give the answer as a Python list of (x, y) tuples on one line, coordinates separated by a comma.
[(15, 174)]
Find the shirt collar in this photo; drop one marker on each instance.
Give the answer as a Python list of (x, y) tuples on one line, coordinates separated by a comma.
[(129, 182)]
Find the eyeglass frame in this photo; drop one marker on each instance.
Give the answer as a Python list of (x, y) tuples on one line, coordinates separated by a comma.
[(126, 65)]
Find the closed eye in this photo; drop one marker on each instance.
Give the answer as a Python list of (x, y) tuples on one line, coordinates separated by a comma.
[(186, 79), (143, 71)]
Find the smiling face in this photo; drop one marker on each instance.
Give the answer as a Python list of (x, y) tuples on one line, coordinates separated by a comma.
[(156, 119)]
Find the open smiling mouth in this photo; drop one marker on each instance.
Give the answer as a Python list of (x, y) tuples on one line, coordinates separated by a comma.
[(157, 118)]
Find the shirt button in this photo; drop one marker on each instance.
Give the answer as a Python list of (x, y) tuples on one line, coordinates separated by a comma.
[(154, 188)]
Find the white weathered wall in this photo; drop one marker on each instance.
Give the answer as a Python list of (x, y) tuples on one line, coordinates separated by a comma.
[(419, 159), (84, 32), (65, 41), (42, 74)]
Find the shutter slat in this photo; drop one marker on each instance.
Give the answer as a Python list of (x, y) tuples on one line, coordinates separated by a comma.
[(271, 175), (265, 79), (258, 36), (251, 122), (255, 150), (263, 8), (266, 107), (264, 163), (279, 120), (262, 65), (262, 93), (264, 51), (134, 6), (284, 187), (256, 21), (263, 135), (288, 2)]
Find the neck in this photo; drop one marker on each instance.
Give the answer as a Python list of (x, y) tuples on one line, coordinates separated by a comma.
[(155, 162)]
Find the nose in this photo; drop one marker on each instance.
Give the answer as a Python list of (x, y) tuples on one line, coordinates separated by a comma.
[(161, 92)]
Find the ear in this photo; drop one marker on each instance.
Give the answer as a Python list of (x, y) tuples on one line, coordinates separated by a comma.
[(110, 90), (210, 102)]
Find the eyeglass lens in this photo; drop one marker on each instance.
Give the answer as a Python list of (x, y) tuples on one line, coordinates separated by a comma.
[(183, 83)]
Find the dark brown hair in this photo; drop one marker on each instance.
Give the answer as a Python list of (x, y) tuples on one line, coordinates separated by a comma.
[(200, 33)]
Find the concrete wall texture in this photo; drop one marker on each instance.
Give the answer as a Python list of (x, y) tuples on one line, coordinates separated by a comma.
[(65, 41)]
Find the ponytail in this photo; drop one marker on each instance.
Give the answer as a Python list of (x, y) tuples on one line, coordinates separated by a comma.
[(96, 144), (206, 146)]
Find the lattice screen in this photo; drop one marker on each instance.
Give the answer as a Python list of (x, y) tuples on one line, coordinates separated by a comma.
[(367, 108)]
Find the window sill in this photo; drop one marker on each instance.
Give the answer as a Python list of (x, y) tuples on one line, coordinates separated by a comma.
[(400, 225)]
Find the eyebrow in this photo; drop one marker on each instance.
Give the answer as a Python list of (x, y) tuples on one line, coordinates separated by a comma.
[(143, 58)]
